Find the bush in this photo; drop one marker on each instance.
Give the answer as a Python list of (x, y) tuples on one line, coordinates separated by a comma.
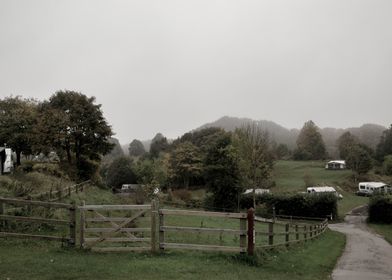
[(48, 168), (387, 165), (303, 205), (380, 209), (182, 194)]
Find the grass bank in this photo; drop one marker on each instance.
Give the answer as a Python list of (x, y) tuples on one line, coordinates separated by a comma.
[(383, 229), (39, 260)]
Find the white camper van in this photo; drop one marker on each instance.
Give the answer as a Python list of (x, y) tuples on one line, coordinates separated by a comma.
[(6, 160), (370, 188), (321, 190)]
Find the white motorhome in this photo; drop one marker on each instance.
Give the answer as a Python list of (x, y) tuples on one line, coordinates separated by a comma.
[(336, 165), (321, 190), (370, 188), (6, 160)]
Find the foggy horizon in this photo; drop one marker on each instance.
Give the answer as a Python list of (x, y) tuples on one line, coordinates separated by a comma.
[(173, 66)]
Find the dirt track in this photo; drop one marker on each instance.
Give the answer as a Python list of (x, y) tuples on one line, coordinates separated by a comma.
[(367, 256)]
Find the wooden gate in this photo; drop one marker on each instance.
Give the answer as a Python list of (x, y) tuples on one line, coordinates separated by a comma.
[(119, 228)]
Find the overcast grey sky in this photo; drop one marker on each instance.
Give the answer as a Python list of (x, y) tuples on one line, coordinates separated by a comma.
[(171, 66)]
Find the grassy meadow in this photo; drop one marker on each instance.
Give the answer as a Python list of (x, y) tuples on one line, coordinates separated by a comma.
[(289, 176), (43, 260)]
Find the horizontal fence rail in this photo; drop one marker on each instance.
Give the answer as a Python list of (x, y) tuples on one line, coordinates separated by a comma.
[(5, 217)]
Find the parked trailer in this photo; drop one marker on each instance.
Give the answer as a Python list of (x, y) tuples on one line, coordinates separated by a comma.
[(370, 188), (6, 160), (322, 190)]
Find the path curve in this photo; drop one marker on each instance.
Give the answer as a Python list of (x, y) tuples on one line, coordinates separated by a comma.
[(366, 256)]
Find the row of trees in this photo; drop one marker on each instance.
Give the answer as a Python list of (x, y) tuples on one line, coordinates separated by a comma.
[(225, 162), (68, 123)]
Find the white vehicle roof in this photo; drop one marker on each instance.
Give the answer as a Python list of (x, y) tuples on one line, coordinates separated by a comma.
[(373, 184), (257, 191), (321, 189), (337, 161)]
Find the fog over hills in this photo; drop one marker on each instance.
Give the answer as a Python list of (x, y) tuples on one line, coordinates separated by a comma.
[(368, 134)]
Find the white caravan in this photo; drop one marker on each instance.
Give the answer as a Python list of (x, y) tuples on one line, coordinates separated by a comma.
[(322, 190), (370, 188), (6, 160)]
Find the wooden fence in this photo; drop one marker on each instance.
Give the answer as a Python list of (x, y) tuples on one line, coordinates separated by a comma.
[(121, 233), (56, 195), (241, 231), (27, 206)]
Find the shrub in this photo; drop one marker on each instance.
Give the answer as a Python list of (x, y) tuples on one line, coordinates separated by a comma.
[(48, 168), (387, 165), (182, 194), (380, 209), (304, 205)]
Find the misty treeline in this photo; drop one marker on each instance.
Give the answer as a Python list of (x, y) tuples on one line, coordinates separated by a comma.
[(69, 125)]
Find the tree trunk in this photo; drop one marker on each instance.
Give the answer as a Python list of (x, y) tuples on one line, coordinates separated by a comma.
[(18, 157)]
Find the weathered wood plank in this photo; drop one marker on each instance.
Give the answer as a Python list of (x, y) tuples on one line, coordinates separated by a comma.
[(34, 220), (33, 236), (115, 207), (105, 230), (202, 247), (203, 213), (118, 239), (119, 249), (35, 203), (198, 229)]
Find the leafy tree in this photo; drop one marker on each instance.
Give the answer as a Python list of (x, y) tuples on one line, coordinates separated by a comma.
[(384, 147), (185, 163), (387, 165), (359, 160), (158, 144), (116, 152), (345, 143), (281, 151), (202, 139), (120, 172), (76, 126), (223, 173), (17, 124), (255, 156), (136, 148), (310, 144), (152, 171)]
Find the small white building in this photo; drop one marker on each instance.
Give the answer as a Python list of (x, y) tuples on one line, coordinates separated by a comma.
[(369, 188), (257, 191), (336, 165)]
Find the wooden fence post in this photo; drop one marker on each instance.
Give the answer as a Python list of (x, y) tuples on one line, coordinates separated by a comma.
[(50, 194), (72, 224), (305, 233), (161, 231), (270, 233), (2, 210), (243, 234), (29, 206), (287, 239), (82, 224), (251, 231), (310, 232), (296, 232), (154, 214)]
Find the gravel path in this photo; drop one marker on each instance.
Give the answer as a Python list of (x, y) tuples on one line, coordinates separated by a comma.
[(367, 255)]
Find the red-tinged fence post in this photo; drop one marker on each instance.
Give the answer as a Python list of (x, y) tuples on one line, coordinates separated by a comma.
[(251, 231)]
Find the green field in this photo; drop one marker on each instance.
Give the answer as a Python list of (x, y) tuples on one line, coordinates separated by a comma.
[(383, 229), (289, 177), (38, 260)]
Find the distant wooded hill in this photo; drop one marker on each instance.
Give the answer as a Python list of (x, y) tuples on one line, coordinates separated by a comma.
[(368, 134)]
